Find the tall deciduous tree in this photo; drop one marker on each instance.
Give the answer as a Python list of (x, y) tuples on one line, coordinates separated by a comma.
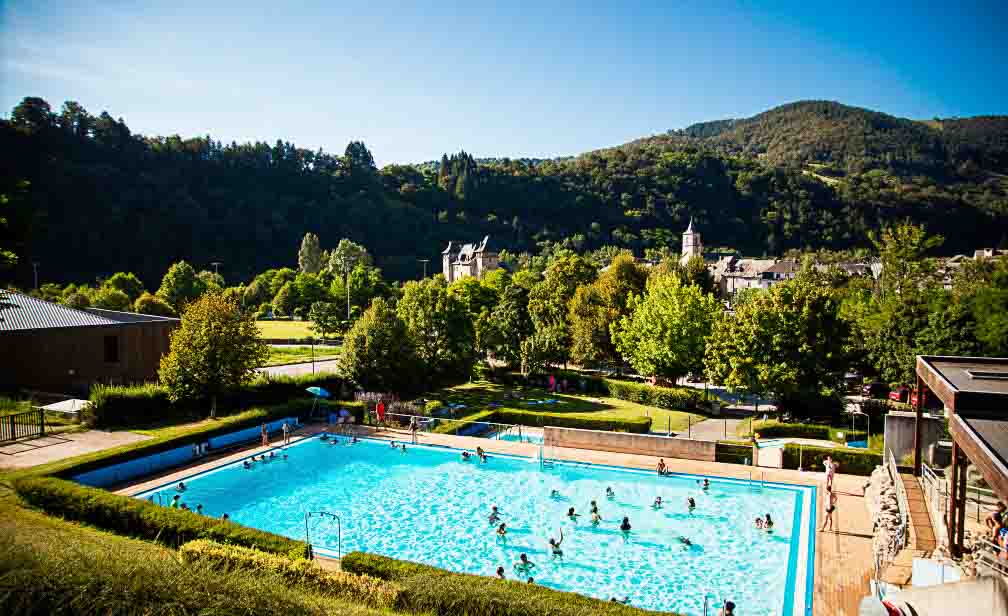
[(596, 307), (128, 283), (377, 353), (310, 254), (666, 334), (152, 304), (110, 298), (217, 347), (790, 341), (511, 323), (326, 318), (180, 285), (439, 326)]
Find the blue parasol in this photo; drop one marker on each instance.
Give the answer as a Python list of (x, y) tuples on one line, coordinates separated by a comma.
[(318, 392)]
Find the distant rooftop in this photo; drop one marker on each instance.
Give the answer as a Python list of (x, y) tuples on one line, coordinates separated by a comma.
[(27, 313)]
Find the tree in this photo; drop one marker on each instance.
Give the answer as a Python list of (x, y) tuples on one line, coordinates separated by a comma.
[(33, 114), (346, 256), (211, 281), (109, 298), (665, 335), (78, 299), (128, 283), (512, 324), (439, 327), (152, 304), (474, 295), (594, 308), (901, 249), (325, 317), (310, 254), (285, 300), (377, 352), (217, 347), (359, 160), (180, 285), (789, 341)]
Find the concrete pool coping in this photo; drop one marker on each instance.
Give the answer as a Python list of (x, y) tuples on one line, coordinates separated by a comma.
[(842, 560)]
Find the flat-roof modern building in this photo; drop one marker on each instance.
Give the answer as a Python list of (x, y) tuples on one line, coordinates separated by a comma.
[(49, 347)]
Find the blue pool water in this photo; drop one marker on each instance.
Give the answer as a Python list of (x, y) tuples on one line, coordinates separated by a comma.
[(515, 436), (427, 505)]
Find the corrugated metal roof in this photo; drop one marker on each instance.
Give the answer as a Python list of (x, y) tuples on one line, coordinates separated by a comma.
[(27, 313)]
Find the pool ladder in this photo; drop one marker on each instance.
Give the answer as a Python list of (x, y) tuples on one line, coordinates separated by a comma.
[(543, 462), (761, 482)]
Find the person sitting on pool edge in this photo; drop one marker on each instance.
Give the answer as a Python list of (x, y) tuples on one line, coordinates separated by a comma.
[(625, 525), (524, 565), (661, 468), (500, 573)]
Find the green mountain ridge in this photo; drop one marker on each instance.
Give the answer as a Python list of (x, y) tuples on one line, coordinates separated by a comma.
[(87, 197)]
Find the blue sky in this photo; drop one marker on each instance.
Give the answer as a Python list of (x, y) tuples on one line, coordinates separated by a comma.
[(414, 80)]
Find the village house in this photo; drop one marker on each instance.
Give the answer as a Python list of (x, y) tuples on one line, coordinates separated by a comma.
[(461, 260)]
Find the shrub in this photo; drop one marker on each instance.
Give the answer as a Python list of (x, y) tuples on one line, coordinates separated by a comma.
[(673, 398), (732, 453), (776, 429), (138, 518), (132, 406), (300, 572), (430, 590), (639, 425), (852, 461), (877, 408)]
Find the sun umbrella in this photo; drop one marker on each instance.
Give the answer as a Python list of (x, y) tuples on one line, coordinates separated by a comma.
[(318, 392)]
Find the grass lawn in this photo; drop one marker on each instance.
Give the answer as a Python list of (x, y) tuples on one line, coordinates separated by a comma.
[(296, 354), (285, 329), (478, 397)]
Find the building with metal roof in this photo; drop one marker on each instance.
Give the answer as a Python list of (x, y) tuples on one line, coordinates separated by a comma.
[(55, 348)]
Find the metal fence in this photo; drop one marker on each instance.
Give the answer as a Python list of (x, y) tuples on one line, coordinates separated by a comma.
[(979, 501), (22, 425), (902, 533), (466, 427)]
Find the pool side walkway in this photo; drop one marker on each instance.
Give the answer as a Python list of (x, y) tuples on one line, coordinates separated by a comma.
[(843, 557)]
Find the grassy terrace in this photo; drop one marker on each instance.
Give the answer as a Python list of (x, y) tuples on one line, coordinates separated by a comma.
[(285, 329), (478, 397), (297, 354)]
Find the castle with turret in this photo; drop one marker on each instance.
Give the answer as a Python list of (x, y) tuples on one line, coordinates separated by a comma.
[(460, 260)]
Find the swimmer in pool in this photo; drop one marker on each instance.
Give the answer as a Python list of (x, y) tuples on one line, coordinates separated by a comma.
[(394, 445), (554, 493), (246, 464), (595, 518), (465, 456), (272, 455), (225, 518), (555, 545), (494, 515), (524, 565), (572, 515), (324, 437), (609, 493), (690, 503), (482, 454), (768, 524), (181, 487), (285, 456), (500, 572), (403, 448), (706, 484), (625, 525), (759, 522), (685, 541), (502, 530), (657, 503), (199, 509), (594, 507), (354, 440), (624, 601)]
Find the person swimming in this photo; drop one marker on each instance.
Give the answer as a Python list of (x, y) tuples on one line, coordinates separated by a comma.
[(657, 503), (500, 572), (324, 437), (502, 530), (685, 541), (768, 524), (625, 525), (465, 456), (494, 515), (285, 456), (594, 507), (609, 493), (706, 484), (272, 455), (246, 464), (759, 522), (394, 445), (624, 601), (403, 448), (554, 493), (225, 517), (524, 565), (181, 487), (482, 454), (199, 509), (690, 503), (354, 440), (531, 580), (595, 518), (555, 545), (572, 515)]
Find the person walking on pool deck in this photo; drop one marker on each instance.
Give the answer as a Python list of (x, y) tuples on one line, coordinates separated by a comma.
[(830, 471), (831, 501), (286, 433), (265, 435), (413, 427)]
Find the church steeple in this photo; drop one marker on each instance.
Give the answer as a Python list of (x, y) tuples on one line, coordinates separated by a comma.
[(691, 244), (689, 229)]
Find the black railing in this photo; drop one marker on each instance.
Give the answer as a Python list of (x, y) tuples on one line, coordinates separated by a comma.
[(22, 425)]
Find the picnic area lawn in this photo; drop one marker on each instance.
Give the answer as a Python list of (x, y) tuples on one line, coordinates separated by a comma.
[(297, 354), (481, 396), (286, 329)]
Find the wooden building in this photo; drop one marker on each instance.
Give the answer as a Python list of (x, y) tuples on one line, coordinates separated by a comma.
[(54, 348)]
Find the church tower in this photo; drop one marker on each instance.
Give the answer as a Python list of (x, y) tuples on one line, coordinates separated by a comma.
[(691, 245)]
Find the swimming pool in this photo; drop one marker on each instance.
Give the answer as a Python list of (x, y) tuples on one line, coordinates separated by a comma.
[(429, 506), (517, 434)]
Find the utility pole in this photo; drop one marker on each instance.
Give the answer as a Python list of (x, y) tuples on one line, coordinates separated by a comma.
[(35, 265), (425, 262), (215, 265)]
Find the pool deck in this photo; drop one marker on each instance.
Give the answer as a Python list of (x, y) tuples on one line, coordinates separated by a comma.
[(843, 559)]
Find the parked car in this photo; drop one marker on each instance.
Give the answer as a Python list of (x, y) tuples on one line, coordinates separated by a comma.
[(874, 389), (900, 394)]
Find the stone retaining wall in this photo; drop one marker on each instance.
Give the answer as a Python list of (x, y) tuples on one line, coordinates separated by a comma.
[(625, 442)]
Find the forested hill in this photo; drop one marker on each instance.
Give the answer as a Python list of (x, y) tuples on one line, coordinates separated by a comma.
[(86, 197)]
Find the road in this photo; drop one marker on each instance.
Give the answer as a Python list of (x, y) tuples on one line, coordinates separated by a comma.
[(327, 365)]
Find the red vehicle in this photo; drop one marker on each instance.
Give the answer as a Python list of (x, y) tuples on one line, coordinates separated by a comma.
[(900, 394), (930, 402)]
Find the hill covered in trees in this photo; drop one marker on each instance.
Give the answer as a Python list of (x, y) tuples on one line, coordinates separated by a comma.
[(85, 196)]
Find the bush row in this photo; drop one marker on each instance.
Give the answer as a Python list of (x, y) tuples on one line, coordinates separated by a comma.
[(233, 423), (852, 461), (776, 429), (876, 408), (732, 453), (307, 574), (639, 425), (673, 398), (131, 406), (138, 518), (429, 590)]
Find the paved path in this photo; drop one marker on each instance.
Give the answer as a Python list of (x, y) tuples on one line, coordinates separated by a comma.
[(713, 429), (23, 454), (327, 365)]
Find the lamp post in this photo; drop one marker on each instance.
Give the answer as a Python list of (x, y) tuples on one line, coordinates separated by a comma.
[(215, 265), (35, 265), (425, 262)]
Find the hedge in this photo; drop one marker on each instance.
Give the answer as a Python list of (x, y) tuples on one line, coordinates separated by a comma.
[(639, 425), (430, 590), (732, 453), (251, 417), (776, 429), (138, 518), (115, 406), (673, 398), (307, 574), (852, 461)]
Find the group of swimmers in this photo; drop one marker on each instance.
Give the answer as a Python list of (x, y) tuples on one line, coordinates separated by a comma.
[(466, 456), (247, 464), (764, 524), (336, 441)]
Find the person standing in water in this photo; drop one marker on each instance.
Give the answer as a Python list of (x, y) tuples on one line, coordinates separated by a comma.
[(555, 545)]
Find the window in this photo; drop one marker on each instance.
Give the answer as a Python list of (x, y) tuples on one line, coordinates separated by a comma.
[(111, 349)]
